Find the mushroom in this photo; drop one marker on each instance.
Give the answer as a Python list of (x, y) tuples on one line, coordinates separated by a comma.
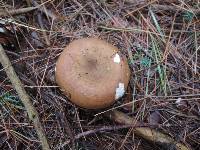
[(91, 73)]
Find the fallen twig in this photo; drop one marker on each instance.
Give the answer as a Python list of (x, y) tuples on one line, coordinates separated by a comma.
[(102, 129), (142, 130), (173, 8), (32, 113), (145, 132), (5, 12)]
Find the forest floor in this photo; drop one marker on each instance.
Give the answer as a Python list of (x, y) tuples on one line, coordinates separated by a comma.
[(161, 40)]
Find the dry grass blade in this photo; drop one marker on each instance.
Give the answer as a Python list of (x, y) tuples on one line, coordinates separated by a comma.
[(33, 115)]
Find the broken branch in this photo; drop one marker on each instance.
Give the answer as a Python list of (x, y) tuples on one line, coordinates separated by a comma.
[(32, 113), (145, 132)]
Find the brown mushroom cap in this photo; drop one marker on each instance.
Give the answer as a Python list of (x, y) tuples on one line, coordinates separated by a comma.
[(91, 73)]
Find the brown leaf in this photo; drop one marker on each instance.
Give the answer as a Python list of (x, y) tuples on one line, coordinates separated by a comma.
[(154, 118)]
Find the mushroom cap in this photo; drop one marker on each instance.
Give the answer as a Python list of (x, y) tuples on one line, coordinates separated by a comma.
[(91, 73)]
